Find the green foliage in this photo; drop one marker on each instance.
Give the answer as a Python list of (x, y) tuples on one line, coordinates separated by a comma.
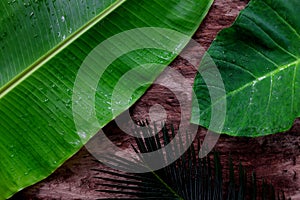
[(258, 58), (43, 44)]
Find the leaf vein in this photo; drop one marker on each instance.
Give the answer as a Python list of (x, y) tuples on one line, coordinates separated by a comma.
[(270, 74), (236, 66), (282, 19), (263, 55), (293, 87), (270, 94), (268, 35)]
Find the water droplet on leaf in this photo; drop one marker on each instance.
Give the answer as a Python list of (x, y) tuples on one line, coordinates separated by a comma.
[(31, 14)]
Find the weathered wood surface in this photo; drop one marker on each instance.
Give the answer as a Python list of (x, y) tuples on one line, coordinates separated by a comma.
[(275, 157)]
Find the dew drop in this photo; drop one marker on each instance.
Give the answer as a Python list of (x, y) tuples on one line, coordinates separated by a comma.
[(68, 103), (82, 134), (3, 36), (54, 86), (69, 91), (11, 2), (27, 4), (63, 18)]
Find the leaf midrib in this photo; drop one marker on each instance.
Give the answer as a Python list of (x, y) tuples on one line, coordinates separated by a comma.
[(167, 186), (57, 49), (261, 78)]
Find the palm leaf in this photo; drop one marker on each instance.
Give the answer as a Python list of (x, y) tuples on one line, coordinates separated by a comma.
[(188, 178)]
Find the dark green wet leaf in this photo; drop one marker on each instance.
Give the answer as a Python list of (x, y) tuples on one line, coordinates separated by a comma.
[(258, 58)]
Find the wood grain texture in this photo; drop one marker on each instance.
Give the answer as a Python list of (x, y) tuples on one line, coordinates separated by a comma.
[(275, 157)]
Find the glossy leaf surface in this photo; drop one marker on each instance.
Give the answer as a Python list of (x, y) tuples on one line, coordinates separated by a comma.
[(37, 76), (258, 58)]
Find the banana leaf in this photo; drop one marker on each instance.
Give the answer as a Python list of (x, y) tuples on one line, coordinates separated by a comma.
[(43, 44)]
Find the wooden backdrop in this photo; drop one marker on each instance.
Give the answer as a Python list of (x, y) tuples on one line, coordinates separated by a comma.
[(275, 157)]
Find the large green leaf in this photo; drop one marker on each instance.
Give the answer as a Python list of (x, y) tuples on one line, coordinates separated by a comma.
[(258, 58), (42, 50), (34, 31)]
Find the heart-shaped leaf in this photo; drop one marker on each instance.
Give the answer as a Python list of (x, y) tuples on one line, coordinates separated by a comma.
[(258, 58)]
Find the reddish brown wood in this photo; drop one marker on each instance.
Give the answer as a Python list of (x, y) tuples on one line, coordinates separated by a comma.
[(275, 157)]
